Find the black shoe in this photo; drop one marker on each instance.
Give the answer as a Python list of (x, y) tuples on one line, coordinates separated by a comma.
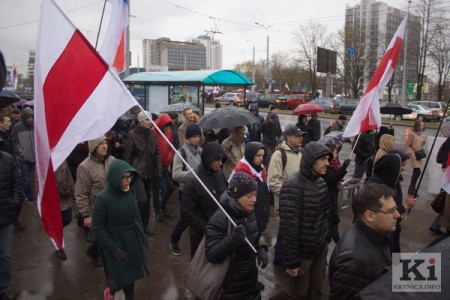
[(148, 231), (61, 254), (166, 212), (261, 286), (96, 262), (159, 217), (278, 262), (18, 225), (175, 249), (435, 230), (88, 235)]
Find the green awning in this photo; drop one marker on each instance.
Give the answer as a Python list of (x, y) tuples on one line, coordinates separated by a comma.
[(207, 77)]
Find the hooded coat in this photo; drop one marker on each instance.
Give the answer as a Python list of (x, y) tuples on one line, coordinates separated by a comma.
[(165, 151), (117, 224), (91, 178), (259, 174), (197, 207), (11, 192), (386, 144), (22, 136), (304, 210), (302, 124), (241, 279)]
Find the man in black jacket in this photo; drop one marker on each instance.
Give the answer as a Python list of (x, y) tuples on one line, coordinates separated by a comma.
[(364, 149), (362, 254), (304, 225), (196, 204), (11, 198)]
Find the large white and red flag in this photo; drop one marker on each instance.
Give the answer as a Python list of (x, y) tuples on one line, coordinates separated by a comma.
[(77, 98), (113, 46), (446, 181), (14, 77), (367, 114)]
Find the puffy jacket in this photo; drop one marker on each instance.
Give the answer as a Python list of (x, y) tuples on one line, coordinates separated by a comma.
[(361, 257), (241, 279), (304, 210), (165, 151), (91, 178), (11, 192), (142, 152), (6, 142), (22, 136), (196, 204)]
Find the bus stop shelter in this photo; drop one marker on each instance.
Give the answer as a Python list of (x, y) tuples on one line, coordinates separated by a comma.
[(153, 90)]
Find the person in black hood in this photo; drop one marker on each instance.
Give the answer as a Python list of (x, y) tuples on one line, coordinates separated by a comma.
[(303, 125), (387, 171), (251, 164), (196, 204)]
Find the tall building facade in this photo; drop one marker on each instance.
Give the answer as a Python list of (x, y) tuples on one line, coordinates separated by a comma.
[(174, 55), (213, 51), (377, 23)]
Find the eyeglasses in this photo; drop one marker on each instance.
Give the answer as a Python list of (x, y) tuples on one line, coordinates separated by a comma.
[(127, 177), (387, 212)]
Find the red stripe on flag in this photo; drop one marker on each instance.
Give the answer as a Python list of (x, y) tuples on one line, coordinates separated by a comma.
[(50, 210), (66, 91), (119, 60)]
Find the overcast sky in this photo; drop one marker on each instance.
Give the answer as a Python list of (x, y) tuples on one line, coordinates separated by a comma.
[(179, 20)]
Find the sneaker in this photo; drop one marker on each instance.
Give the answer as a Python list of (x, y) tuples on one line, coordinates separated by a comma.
[(107, 295), (175, 249), (61, 254)]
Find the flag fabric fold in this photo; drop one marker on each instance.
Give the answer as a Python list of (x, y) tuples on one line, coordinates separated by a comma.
[(14, 77), (367, 114), (113, 46), (77, 98)]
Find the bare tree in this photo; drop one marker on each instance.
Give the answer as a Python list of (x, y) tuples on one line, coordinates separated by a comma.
[(246, 68), (278, 66), (309, 37), (440, 55)]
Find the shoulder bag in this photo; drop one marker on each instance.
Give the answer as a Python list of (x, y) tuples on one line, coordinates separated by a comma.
[(420, 154), (204, 279), (438, 202)]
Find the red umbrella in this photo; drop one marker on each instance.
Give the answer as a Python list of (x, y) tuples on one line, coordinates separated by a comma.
[(305, 109)]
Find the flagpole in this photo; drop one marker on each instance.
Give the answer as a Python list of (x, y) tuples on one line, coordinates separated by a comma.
[(193, 173), (431, 151), (100, 26), (354, 145)]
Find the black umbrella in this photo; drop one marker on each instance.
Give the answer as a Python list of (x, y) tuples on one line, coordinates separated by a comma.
[(228, 117), (396, 109), (8, 97)]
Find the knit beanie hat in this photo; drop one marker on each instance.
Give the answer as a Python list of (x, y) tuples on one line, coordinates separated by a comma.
[(241, 184), (192, 130), (143, 115)]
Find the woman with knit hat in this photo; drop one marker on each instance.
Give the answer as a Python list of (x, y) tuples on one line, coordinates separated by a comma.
[(241, 279)]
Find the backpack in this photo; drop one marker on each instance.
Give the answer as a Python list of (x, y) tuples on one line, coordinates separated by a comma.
[(283, 157)]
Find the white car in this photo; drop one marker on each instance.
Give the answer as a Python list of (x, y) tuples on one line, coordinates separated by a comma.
[(230, 98), (423, 113)]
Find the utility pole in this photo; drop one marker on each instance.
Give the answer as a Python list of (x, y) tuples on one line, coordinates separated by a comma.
[(267, 67), (405, 54), (253, 66)]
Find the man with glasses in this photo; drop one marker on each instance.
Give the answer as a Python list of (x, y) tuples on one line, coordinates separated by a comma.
[(362, 255)]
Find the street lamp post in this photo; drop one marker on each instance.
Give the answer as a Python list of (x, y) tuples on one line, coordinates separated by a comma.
[(267, 68), (253, 65), (405, 54)]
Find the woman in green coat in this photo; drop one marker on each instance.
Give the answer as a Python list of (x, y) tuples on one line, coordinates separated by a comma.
[(118, 227)]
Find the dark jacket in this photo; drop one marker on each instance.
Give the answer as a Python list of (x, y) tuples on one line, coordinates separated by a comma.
[(360, 257), (196, 204), (241, 279), (442, 155), (11, 192), (117, 224), (305, 128), (142, 152), (365, 148), (253, 129), (22, 135), (270, 134), (6, 142), (304, 210), (332, 178), (314, 129)]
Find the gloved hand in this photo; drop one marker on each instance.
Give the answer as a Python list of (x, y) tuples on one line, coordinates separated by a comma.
[(238, 234), (346, 163), (262, 257), (120, 255)]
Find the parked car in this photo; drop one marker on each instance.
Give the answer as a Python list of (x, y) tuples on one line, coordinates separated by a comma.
[(327, 104), (291, 101), (229, 98), (344, 106), (440, 106), (264, 100), (251, 97), (423, 113)]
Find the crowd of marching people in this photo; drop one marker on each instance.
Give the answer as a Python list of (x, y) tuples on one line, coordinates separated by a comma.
[(117, 182)]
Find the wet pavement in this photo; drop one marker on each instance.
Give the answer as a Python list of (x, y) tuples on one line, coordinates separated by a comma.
[(39, 274)]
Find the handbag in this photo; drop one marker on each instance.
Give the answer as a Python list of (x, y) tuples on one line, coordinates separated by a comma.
[(438, 202), (420, 154), (204, 279)]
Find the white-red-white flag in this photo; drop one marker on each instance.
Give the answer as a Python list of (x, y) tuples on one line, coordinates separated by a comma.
[(446, 181), (113, 46), (14, 77), (77, 97), (286, 85), (367, 114)]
